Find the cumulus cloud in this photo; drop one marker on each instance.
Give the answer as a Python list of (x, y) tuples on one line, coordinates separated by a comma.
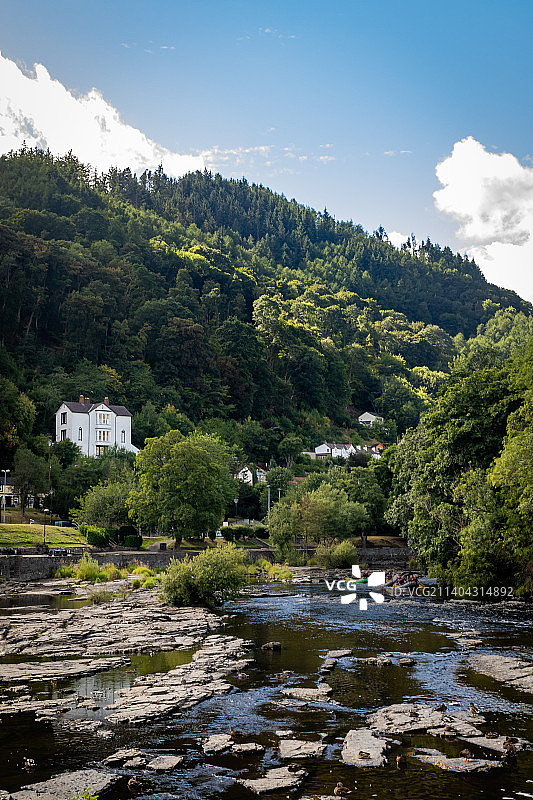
[(43, 113), (396, 238), (491, 197)]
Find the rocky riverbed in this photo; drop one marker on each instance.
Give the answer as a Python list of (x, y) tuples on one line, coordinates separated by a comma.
[(284, 695)]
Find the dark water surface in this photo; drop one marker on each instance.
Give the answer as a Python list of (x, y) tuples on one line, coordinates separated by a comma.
[(307, 628)]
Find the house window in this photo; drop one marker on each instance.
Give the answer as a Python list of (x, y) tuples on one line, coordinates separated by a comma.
[(80, 434), (123, 437), (63, 435), (63, 417), (100, 449)]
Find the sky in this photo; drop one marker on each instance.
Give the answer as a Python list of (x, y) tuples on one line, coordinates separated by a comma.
[(410, 114)]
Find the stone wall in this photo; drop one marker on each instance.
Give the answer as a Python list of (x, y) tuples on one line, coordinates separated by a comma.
[(38, 567)]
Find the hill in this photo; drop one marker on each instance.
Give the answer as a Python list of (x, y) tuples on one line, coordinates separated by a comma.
[(217, 302)]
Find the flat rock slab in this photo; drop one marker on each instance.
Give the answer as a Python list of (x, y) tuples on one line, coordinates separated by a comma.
[(121, 756), (320, 694), (362, 741), (438, 759), (217, 743), (338, 653), (165, 763), (163, 694), (248, 747), (294, 748), (57, 670), (70, 784), (495, 744), (515, 672), (417, 717), (274, 780)]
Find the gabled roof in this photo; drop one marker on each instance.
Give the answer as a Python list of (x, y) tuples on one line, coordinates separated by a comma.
[(86, 408)]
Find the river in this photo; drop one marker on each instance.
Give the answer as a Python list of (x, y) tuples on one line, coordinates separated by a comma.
[(307, 628)]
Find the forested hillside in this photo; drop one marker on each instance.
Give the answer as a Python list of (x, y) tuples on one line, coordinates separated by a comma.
[(217, 302)]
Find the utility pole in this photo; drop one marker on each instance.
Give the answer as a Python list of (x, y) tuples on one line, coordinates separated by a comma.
[(5, 471)]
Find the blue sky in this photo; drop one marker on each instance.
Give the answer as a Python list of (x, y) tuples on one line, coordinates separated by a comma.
[(349, 106)]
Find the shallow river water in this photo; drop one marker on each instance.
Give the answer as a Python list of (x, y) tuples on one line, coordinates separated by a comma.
[(307, 627)]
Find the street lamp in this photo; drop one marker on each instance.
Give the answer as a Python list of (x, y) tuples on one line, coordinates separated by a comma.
[(235, 500), (5, 471), (268, 503), (44, 529)]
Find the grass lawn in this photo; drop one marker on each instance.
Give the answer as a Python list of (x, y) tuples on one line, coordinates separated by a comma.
[(32, 535)]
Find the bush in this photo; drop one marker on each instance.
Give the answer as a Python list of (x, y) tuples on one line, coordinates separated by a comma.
[(343, 555), (98, 596), (150, 583), (322, 556), (88, 569), (260, 531), (136, 583), (207, 579), (96, 537), (278, 572), (134, 540), (141, 570), (111, 572), (65, 571)]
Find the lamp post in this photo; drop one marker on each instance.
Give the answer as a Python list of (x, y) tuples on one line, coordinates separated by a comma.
[(235, 500), (268, 502), (5, 471), (44, 528)]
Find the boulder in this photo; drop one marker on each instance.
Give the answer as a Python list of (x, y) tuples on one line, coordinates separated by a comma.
[(271, 646), (217, 743)]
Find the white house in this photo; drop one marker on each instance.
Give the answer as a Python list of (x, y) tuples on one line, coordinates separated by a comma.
[(368, 419), (245, 475), (94, 426), (333, 450)]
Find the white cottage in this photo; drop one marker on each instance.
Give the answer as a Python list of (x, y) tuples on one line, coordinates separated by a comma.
[(334, 450), (368, 419), (94, 426)]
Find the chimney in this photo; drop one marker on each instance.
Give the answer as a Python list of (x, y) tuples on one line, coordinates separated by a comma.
[(106, 400), (82, 399)]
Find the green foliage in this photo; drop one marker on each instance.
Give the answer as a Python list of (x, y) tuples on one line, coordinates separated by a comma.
[(150, 583), (29, 475), (343, 554), (136, 583), (184, 484), (111, 572), (96, 537), (99, 596), (65, 571), (104, 505), (88, 569), (209, 578), (85, 795)]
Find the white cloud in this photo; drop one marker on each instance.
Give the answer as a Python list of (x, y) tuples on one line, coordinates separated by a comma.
[(397, 239), (43, 113), (491, 197)]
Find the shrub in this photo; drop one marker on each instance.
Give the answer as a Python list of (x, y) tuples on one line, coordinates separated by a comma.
[(322, 556), (86, 795), (141, 570), (343, 555), (261, 531), (65, 571), (279, 572), (208, 578), (134, 540), (88, 569), (241, 531), (111, 572), (96, 537), (136, 583), (98, 596), (150, 583)]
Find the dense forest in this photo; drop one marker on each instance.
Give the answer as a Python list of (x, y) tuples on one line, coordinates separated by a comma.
[(218, 306)]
